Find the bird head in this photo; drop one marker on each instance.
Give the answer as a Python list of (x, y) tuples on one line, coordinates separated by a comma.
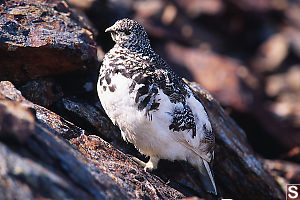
[(129, 33)]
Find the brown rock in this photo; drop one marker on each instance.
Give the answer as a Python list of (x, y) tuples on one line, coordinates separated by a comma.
[(42, 165), (168, 21), (96, 117), (283, 171), (42, 38), (259, 6), (281, 115), (195, 8), (222, 76), (8, 91), (232, 28), (16, 121), (43, 91), (292, 14), (271, 54)]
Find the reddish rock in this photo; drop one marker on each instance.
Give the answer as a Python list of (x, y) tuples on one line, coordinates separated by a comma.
[(41, 38), (280, 114), (284, 172), (8, 91), (237, 37), (222, 76), (16, 121), (260, 6), (271, 54), (194, 8)]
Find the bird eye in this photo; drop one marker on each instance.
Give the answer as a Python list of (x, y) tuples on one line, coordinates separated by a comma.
[(127, 32)]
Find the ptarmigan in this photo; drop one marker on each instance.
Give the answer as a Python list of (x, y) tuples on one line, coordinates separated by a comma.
[(154, 108)]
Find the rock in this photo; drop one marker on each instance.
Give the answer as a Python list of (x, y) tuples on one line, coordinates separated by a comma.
[(8, 91), (283, 90), (195, 8), (291, 13), (219, 39), (271, 54), (41, 38), (43, 91), (95, 118), (259, 6), (17, 122), (223, 77), (284, 172), (103, 13)]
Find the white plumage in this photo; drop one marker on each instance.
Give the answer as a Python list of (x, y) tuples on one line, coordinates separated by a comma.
[(154, 109)]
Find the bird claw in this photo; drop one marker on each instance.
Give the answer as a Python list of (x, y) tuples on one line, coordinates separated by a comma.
[(149, 167)]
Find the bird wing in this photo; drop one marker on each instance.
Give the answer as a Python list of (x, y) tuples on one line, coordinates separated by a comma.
[(192, 128)]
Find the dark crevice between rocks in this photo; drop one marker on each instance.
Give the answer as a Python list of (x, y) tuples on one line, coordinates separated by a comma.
[(259, 138)]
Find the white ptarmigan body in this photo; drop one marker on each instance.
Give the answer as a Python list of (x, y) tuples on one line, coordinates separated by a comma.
[(154, 109)]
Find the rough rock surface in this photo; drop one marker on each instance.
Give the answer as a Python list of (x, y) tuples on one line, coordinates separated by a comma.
[(39, 38)]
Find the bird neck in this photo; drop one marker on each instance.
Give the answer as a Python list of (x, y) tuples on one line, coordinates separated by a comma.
[(135, 45)]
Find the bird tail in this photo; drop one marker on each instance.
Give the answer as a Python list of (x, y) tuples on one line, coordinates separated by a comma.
[(206, 177)]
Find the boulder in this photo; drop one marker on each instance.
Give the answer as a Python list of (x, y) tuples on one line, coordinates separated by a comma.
[(40, 38)]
